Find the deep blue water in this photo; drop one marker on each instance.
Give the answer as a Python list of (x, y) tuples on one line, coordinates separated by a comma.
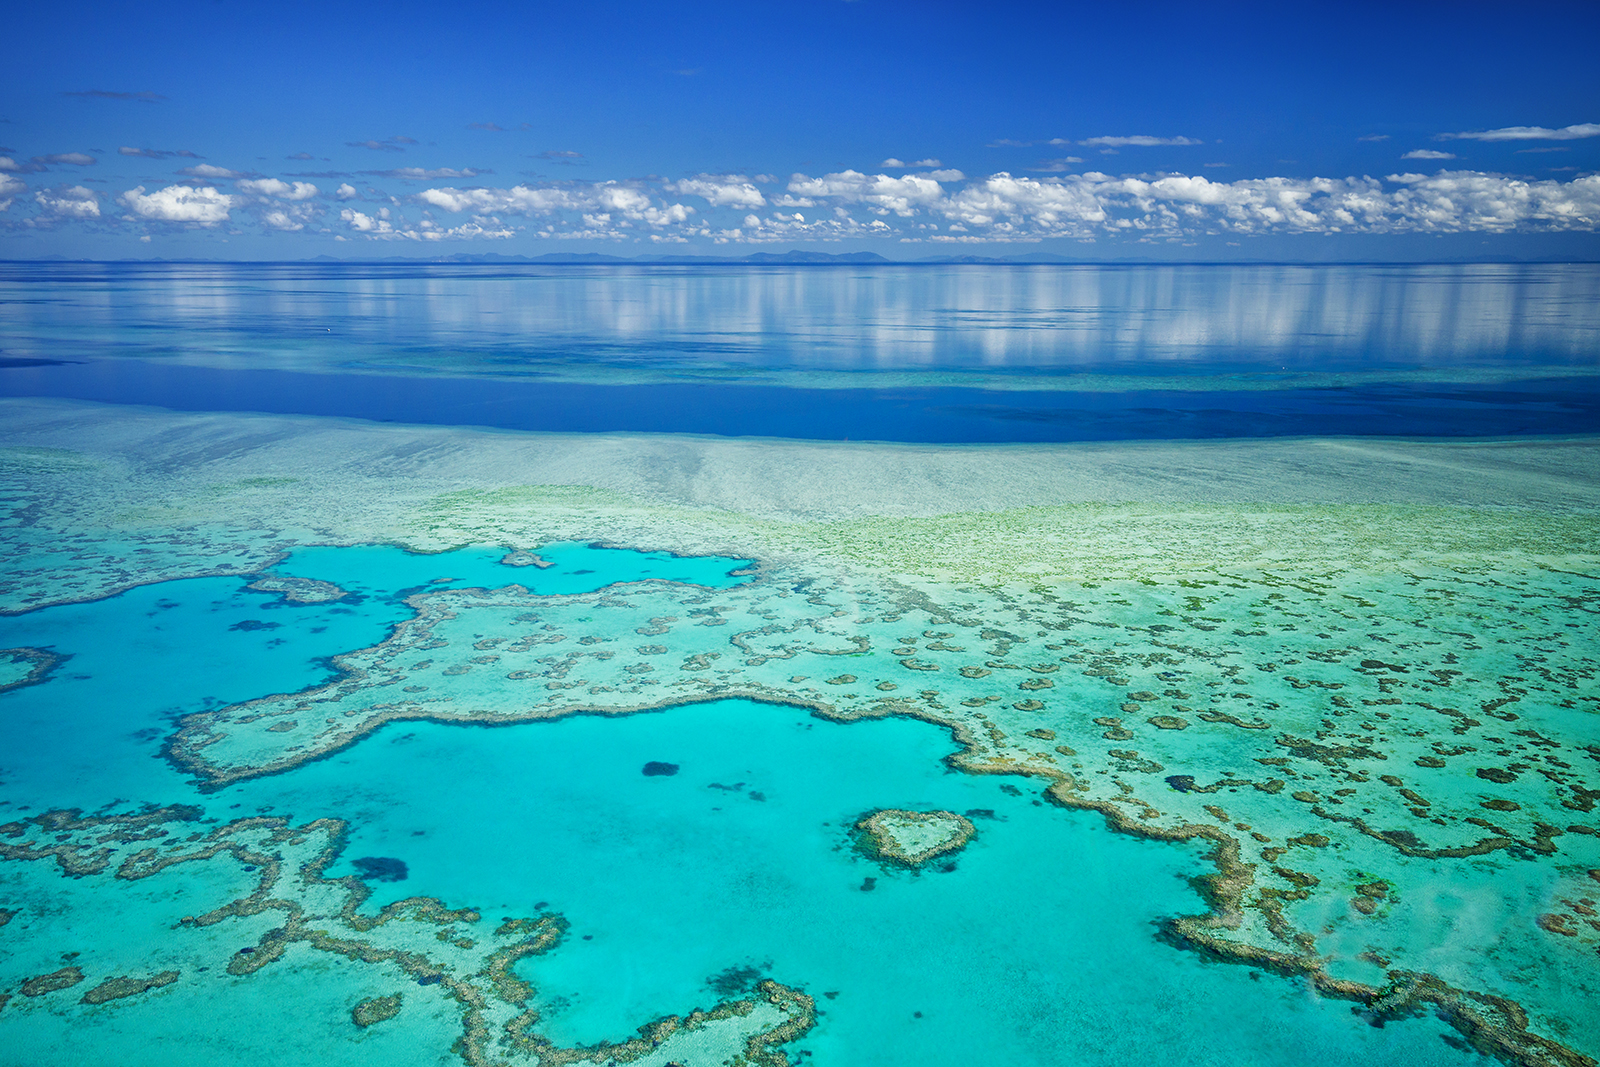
[(923, 354), (931, 415)]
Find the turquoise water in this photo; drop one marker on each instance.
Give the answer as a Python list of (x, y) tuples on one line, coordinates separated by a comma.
[(140, 661), (1037, 947)]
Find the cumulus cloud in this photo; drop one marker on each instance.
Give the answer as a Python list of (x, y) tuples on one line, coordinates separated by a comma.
[(1528, 133), (381, 226), (287, 217), (346, 191), (1004, 204), (1427, 153), (202, 206), (1007, 207), (730, 190), (206, 170), (9, 188), (1138, 140), (880, 192), (361, 222), (155, 153), (279, 189), (600, 204), (74, 202), (11, 166), (1470, 200)]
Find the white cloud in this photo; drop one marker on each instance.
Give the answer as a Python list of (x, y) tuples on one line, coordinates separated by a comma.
[(946, 175), (1470, 200), (418, 174), (381, 227), (206, 170), (346, 191), (1528, 133), (1010, 208), (1427, 153), (75, 202), (281, 189), (76, 159), (729, 190), (364, 223), (202, 206), (38, 163), (899, 164), (1005, 204), (9, 188), (598, 201), (1138, 140), (885, 194)]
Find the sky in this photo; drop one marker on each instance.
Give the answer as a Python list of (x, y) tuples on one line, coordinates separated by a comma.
[(1395, 131)]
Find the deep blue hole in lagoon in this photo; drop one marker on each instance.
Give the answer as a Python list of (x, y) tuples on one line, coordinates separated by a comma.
[(1036, 947)]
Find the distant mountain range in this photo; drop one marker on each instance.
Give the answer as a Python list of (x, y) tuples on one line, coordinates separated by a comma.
[(773, 258), (793, 258)]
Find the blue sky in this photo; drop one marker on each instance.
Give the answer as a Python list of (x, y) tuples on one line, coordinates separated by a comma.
[(910, 129)]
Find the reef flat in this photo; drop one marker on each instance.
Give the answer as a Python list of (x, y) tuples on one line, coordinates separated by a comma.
[(1362, 673), (25, 666), (913, 838)]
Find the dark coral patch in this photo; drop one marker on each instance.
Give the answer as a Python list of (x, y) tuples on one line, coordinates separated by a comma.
[(381, 868)]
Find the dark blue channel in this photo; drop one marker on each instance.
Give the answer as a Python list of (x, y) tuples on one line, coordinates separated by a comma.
[(1558, 406)]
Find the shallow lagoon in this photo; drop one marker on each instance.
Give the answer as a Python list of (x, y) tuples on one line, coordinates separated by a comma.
[(1024, 951)]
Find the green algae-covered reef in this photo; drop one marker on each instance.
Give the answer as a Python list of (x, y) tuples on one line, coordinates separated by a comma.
[(912, 838)]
